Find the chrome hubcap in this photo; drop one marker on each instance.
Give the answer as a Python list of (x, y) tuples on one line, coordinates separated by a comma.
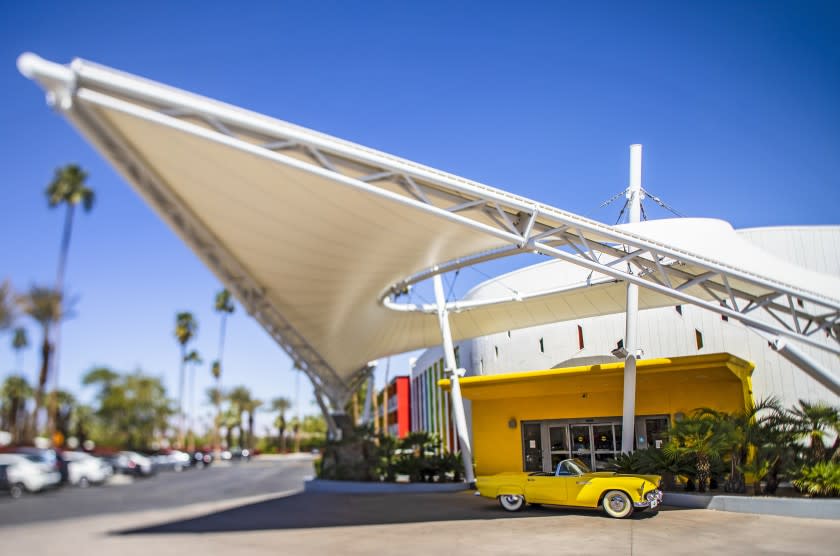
[(617, 503)]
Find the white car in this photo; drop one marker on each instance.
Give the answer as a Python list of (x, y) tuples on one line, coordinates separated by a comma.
[(138, 463), (84, 469), (29, 471)]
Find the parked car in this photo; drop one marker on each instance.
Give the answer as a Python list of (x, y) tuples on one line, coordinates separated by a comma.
[(236, 454), (29, 471), (130, 463), (85, 469), (15, 490), (201, 459), (48, 456), (171, 460), (574, 484)]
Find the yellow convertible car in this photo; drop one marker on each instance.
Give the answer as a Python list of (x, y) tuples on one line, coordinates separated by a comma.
[(574, 484)]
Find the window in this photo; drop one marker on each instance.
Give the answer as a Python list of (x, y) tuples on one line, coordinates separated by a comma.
[(656, 429), (508, 333), (580, 337), (679, 309), (497, 350), (698, 337), (542, 346), (724, 318), (532, 447), (619, 344)]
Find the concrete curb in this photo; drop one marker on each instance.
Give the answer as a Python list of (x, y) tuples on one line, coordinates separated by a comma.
[(786, 507), (358, 487)]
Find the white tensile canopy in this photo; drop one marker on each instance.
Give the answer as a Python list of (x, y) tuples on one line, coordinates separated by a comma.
[(317, 236)]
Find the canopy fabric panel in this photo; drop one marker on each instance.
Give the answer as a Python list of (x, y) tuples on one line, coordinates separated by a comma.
[(314, 234)]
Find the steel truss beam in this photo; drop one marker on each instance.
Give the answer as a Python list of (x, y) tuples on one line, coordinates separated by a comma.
[(524, 224)]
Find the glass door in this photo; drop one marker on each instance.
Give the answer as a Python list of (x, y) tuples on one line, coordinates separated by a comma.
[(581, 437), (532, 446), (604, 443), (559, 438)]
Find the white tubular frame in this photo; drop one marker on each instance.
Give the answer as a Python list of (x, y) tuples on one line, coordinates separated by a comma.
[(523, 224)]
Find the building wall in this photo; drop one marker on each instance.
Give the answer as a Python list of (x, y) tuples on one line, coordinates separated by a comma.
[(498, 446), (664, 332), (431, 407)]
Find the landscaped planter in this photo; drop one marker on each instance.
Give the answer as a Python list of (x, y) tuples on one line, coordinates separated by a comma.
[(821, 508)]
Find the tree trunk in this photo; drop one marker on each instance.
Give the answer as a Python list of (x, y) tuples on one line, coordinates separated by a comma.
[(180, 445), (46, 349), (59, 287), (703, 471), (283, 434), (251, 431), (13, 417)]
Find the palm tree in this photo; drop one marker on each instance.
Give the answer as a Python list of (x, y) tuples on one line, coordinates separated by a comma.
[(740, 432), (186, 328), (82, 422), (240, 400), (7, 306), (20, 341), (281, 405), (698, 437), (223, 305), (215, 397), (65, 404), (14, 393), (67, 188), (252, 407), (44, 305), (192, 359), (815, 421)]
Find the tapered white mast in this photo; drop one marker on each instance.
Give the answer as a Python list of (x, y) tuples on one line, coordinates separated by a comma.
[(454, 374), (634, 200)]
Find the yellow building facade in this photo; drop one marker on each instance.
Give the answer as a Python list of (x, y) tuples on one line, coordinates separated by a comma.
[(528, 421)]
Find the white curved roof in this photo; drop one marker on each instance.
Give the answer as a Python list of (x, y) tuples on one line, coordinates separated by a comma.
[(311, 232)]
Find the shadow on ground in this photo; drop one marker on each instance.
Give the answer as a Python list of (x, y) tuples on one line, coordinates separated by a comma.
[(301, 511)]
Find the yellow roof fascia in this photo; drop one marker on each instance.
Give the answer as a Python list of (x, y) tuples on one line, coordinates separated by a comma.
[(739, 367)]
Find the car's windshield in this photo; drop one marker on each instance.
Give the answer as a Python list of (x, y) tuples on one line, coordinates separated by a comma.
[(573, 466)]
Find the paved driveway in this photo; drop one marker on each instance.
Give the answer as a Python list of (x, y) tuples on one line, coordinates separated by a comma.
[(427, 524)]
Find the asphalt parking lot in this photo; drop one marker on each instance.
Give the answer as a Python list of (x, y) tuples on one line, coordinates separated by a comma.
[(291, 522), (163, 490)]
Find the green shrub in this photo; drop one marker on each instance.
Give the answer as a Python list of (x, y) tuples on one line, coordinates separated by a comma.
[(632, 463), (820, 479)]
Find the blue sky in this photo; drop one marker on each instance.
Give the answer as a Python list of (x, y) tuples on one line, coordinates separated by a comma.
[(736, 104)]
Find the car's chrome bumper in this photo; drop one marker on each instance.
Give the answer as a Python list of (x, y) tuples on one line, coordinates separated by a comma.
[(652, 500)]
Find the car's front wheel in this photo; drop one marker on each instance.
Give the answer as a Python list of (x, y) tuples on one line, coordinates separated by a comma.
[(617, 504), (512, 502), (16, 490)]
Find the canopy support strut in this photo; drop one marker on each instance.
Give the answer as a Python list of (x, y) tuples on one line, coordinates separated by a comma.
[(454, 374), (634, 200)]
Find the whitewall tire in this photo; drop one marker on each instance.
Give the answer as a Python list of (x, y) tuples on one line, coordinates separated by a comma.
[(617, 504), (512, 502)]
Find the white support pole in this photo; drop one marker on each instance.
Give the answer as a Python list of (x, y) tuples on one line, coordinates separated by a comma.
[(634, 197), (454, 374)]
